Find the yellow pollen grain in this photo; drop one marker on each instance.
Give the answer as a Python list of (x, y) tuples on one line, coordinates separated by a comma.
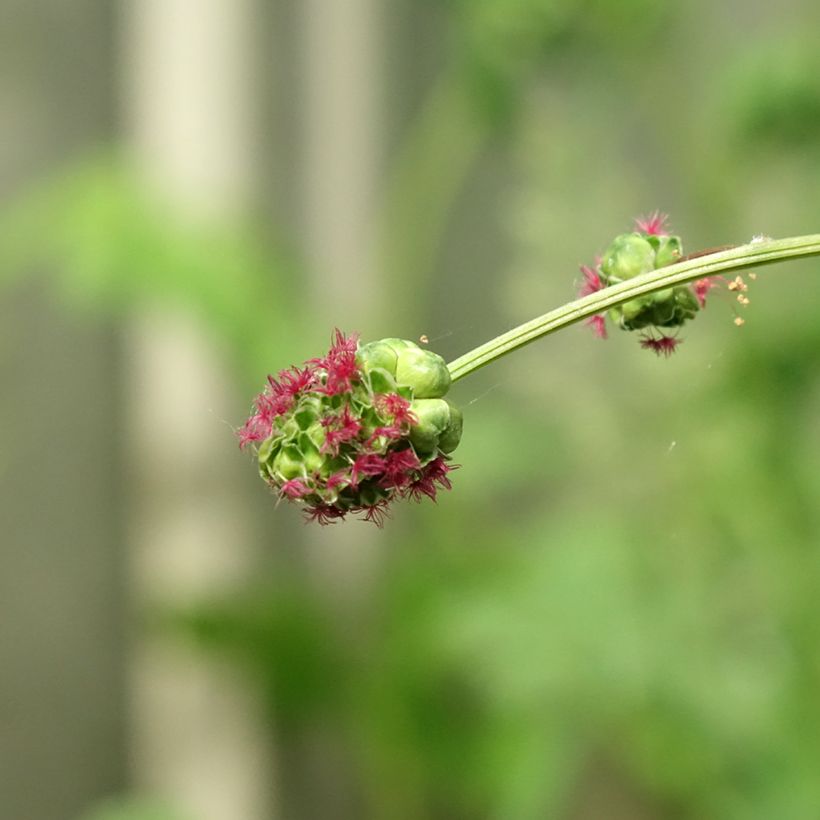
[(742, 299), (752, 276), (423, 339), (740, 321)]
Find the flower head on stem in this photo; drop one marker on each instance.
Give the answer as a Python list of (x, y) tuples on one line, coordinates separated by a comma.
[(355, 430)]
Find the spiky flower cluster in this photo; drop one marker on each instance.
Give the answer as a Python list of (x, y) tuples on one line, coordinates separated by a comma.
[(648, 247), (353, 431)]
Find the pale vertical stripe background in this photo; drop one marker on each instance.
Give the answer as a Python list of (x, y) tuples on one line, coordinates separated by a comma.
[(196, 730), (189, 89), (343, 139)]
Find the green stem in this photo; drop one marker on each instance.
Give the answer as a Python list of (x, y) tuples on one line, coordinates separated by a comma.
[(755, 254)]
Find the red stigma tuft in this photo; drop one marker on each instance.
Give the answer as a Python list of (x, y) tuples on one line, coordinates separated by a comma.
[(339, 429), (661, 346), (598, 325), (433, 476), (701, 288), (295, 489), (324, 514), (653, 225), (593, 282)]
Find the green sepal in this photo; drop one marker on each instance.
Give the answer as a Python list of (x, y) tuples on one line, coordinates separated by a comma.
[(313, 460), (268, 448), (305, 417), (317, 434), (288, 463), (382, 381), (290, 429)]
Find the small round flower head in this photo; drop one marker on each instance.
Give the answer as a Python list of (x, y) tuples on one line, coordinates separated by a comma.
[(356, 429), (649, 247)]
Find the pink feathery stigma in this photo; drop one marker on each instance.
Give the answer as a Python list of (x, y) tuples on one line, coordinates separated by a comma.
[(661, 346), (433, 476), (294, 381), (390, 431), (255, 428), (377, 513), (339, 429), (341, 478), (324, 514), (701, 288), (593, 281), (340, 366), (394, 406), (654, 224), (364, 466), (598, 325), (294, 489), (398, 471)]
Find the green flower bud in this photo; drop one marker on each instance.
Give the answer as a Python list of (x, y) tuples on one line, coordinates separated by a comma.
[(629, 254), (451, 436), (668, 251), (400, 344), (424, 371), (433, 418), (378, 354)]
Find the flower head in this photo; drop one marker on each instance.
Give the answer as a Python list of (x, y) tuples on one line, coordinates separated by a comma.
[(649, 247), (354, 430)]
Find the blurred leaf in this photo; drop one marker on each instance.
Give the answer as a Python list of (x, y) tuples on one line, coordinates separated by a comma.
[(132, 808), (771, 93), (115, 245)]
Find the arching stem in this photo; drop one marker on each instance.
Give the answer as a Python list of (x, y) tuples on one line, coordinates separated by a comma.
[(755, 254)]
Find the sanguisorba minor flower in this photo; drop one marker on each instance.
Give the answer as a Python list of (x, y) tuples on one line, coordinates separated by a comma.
[(659, 315), (357, 429), (368, 424)]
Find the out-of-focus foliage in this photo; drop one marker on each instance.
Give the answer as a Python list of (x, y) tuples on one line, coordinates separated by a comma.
[(772, 94), (117, 245), (132, 809), (504, 43), (624, 583), (661, 623)]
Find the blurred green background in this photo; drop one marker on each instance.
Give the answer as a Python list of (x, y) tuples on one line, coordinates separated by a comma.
[(615, 612)]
